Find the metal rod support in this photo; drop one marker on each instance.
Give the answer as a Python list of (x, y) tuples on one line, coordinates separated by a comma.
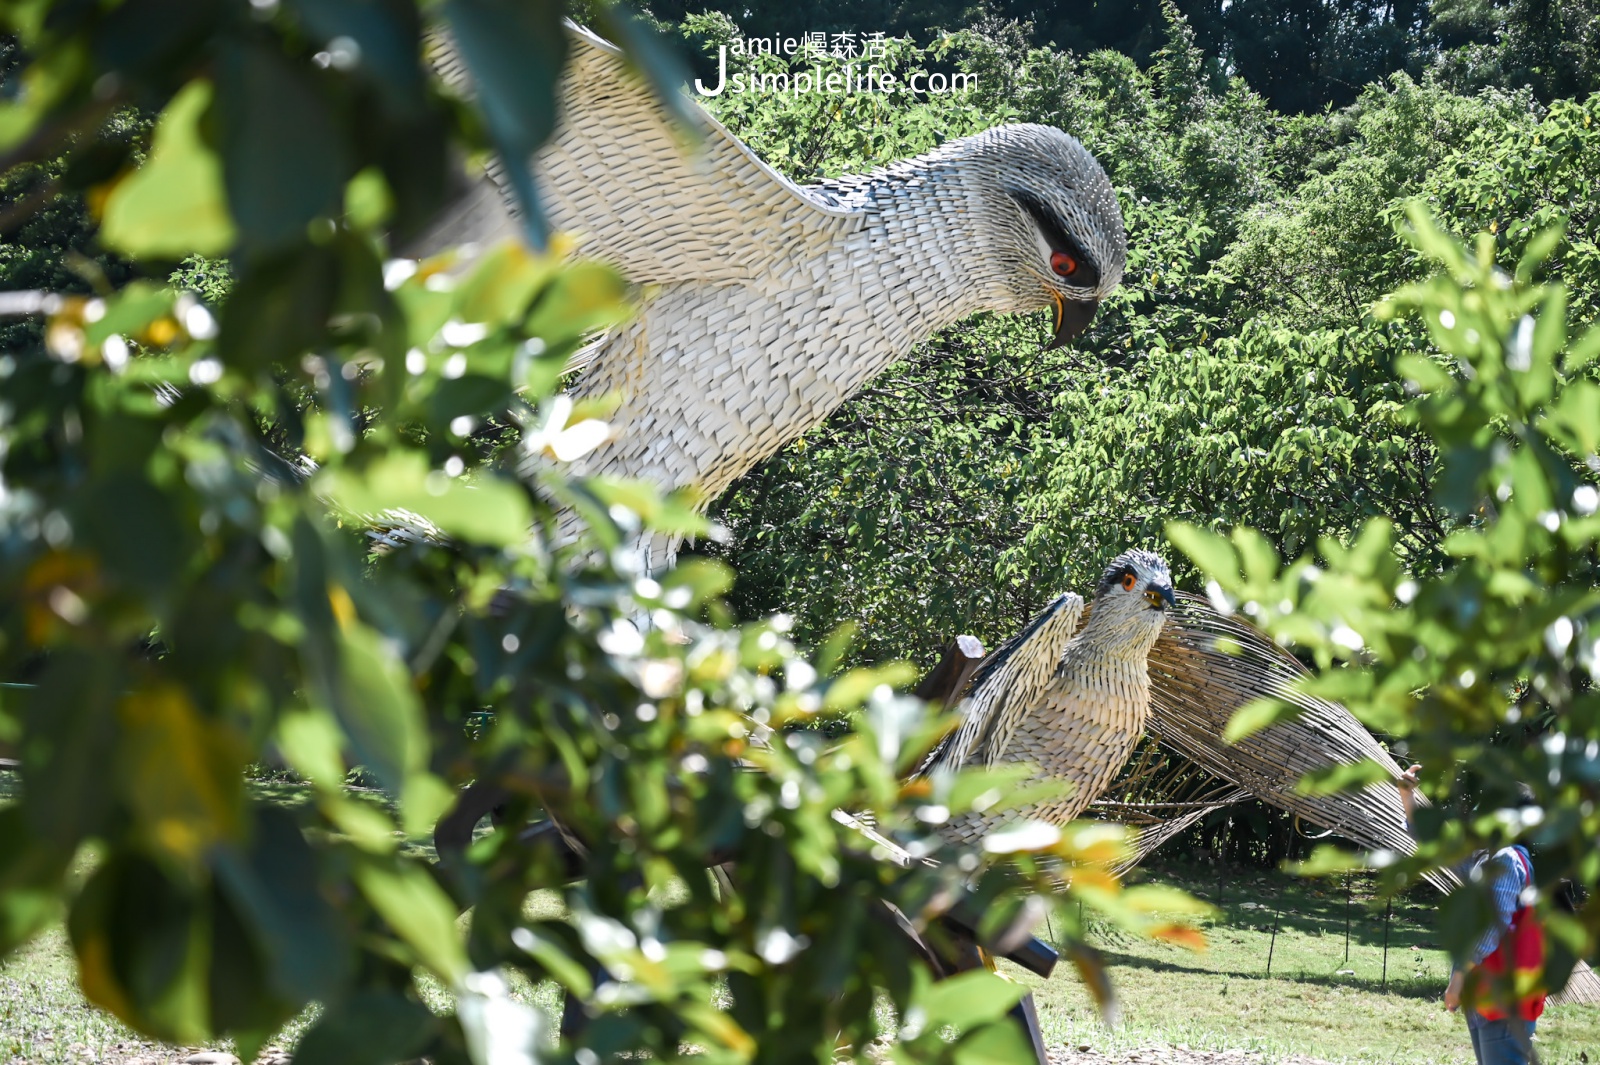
[(1387, 911), (1272, 944)]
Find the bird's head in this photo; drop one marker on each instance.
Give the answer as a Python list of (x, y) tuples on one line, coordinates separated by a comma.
[(1061, 228), (1135, 591)]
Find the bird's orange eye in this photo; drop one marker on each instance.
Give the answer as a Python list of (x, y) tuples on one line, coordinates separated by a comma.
[(1063, 264), (1128, 581)]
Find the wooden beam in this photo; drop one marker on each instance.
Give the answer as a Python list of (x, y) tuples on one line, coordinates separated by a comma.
[(948, 680)]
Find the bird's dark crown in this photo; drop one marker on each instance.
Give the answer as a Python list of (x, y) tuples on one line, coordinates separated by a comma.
[(1139, 562)]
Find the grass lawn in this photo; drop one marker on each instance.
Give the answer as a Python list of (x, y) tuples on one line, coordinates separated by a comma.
[(1216, 1000), (1223, 998)]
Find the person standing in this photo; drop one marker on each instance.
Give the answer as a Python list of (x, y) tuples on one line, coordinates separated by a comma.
[(1502, 1033)]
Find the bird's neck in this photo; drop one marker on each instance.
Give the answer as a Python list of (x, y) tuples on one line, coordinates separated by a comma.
[(1107, 640), (927, 220)]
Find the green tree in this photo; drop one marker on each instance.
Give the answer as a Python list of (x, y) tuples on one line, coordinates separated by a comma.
[(1553, 48)]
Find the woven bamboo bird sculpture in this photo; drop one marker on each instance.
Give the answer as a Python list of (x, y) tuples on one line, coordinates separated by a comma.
[(1074, 691), (1074, 703), (768, 303)]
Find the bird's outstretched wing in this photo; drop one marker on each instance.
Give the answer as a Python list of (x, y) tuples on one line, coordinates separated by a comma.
[(1206, 666), (1007, 685), (660, 205)]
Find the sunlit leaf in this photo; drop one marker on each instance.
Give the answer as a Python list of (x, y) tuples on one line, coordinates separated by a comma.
[(174, 205)]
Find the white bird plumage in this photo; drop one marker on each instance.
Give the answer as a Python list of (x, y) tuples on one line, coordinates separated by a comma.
[(767, 304)]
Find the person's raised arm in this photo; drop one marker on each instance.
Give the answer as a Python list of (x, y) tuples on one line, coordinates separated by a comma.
[(1408, 795)]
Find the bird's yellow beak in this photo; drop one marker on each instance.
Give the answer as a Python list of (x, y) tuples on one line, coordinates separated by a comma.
[(1159, 598), (1072, 318)]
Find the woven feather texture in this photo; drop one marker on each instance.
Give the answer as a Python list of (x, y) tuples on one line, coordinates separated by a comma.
[(1074, 691), (1071, 698), (768, 304)]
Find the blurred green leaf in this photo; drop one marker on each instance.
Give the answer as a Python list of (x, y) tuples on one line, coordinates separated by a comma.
[(418, 910), (371, 1028), (173, 205), (515, 52), (485, 509), (284, 162), (969, 999), (378, 707), (1260, 714)]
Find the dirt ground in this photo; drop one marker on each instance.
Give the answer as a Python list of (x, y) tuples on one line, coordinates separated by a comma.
[(1087, 1055), (1061, 1055)]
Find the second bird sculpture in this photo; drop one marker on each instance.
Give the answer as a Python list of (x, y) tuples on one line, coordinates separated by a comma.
[(1074, 703), (768, 304)]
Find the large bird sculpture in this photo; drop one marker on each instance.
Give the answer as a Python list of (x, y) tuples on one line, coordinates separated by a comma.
[(1075, 690), (1074, 703), (768, 304)]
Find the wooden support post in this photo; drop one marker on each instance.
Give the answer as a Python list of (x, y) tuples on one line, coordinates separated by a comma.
[(1027, 1016), (948, 680)]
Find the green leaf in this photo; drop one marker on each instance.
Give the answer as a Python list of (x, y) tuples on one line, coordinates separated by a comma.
[(284, 160), (173, 205), (378, 707), (142, 948), (1539, 249), (1583, 350), (1333, 779), (279, 308), (1161, 898), (274, 887), (1327, 860), (370, 1028), (586, 297), (831, 655), (969, 999), (990, 784), (556, 960), (419, 911), (312, 744), (1212, 553), (651, 55), (996, 1044), (485, 509), (1255, 716), (31, 873), (515, 52), (387, 33)]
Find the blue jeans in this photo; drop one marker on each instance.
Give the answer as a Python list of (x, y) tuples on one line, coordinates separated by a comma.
[(1504, 1042)]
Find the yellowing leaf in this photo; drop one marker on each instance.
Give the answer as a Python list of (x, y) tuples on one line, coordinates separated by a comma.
[(1182, 935), (174, 205), (182, 771)]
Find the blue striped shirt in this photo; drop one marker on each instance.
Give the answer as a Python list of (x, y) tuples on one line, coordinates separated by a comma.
[(1507, 879)]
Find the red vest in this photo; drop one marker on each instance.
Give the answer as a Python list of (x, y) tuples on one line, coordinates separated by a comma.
[(1517, 962)]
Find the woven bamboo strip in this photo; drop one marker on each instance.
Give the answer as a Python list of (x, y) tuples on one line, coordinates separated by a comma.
[(1206, 666)]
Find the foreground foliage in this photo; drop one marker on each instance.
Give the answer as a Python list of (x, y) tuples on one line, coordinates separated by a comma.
[(1486, 668), (187, 589)]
